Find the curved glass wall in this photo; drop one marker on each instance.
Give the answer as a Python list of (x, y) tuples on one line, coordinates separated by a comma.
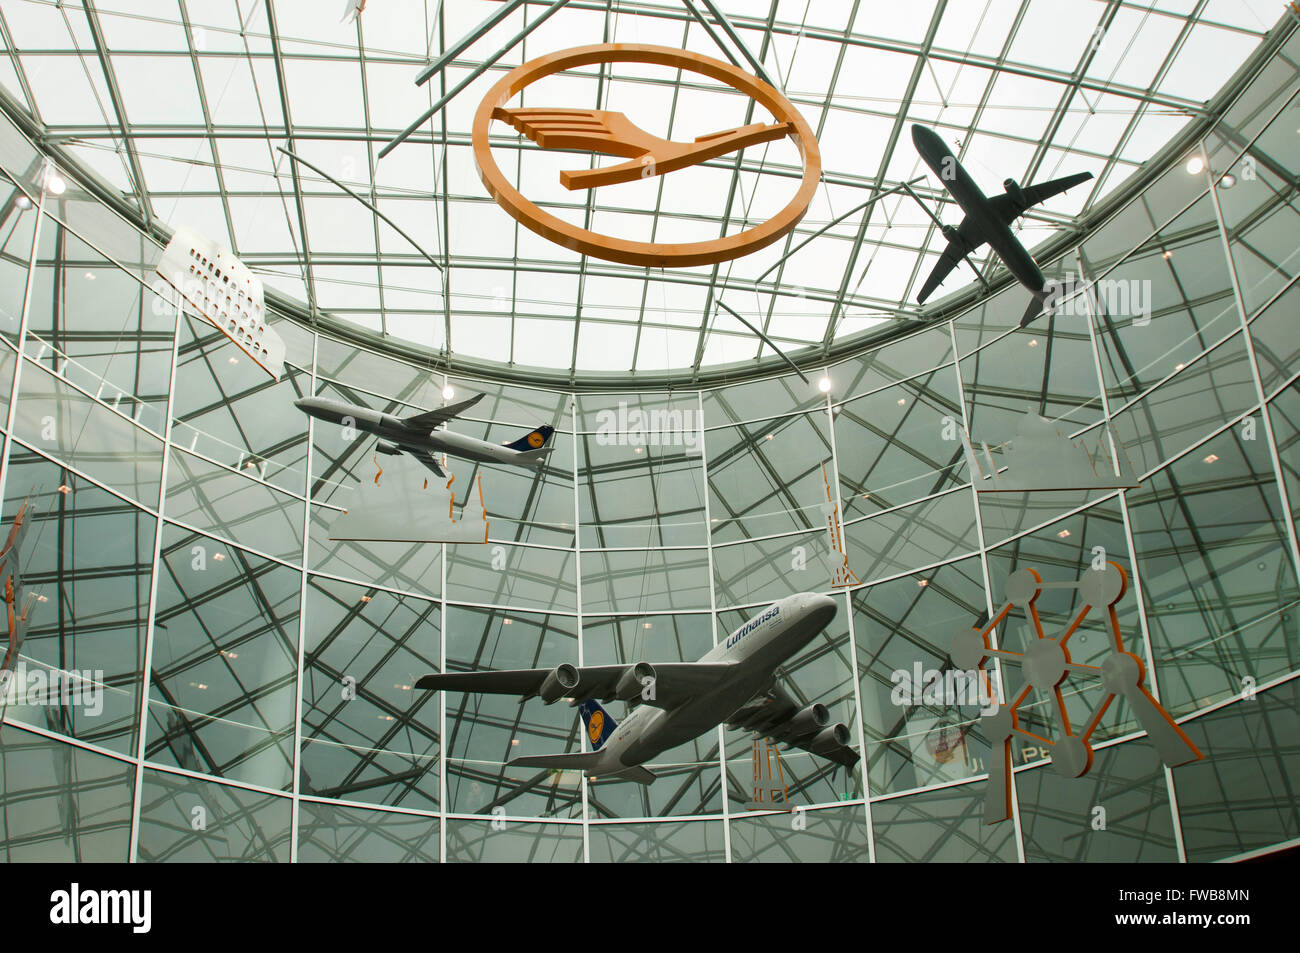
[(251, 681)]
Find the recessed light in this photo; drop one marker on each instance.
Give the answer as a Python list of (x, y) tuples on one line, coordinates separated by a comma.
[(1033, 342), (769, 436), (923, 582), (1212, 458), (233, 360), (902, 401), (514, 742), (1179, 367), (219, 557), (64, 488), (1168, 255), (824, 385), (1063, 533), (507, 621), (448, 392), (636, 449), (645, 625), (90, 276), (54, 183), (365, 598), (1228, 181), (1195, 165)]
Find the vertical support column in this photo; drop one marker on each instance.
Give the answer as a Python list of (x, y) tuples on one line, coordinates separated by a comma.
[(1278, 477), (577, 582), (22, 340), (1134, 570), (302, 615), (988, 586), (713, 621), (853, 645), (150, 627), (442, 696)]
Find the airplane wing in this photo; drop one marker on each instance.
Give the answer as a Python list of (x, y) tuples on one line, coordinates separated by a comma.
[(967, 239), (428, 460), (771, 714), (948, 260), (674, 682), (436, 418), (1009, 209)]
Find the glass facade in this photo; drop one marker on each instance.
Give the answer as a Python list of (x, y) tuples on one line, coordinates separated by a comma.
[(255, 679)]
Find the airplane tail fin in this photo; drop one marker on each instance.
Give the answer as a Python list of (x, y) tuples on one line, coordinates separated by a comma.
[(600, 723), (534, 440), (1038, 304)]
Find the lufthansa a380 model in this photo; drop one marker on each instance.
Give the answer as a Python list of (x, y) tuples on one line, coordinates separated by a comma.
[(676, 701), (420, 437)]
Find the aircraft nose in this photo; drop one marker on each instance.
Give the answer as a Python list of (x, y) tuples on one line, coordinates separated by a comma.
[(823, 608)]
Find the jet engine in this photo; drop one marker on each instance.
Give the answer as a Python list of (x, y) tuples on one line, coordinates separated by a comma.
[(391, 449), (632, 683), (1015, 191), (558, 683), (807, 721), (829, 739)]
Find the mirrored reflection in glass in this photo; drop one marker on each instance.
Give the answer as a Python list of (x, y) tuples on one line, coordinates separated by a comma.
[(826, 835), (62, 804), (660, 842), (225, 658), (333, 834), (507, 841), (86, 560), (192, 821), (1229, 802), (1218, 581), (367, 733), (945, 826), (1116, 813), (904, 630), (485, 731)]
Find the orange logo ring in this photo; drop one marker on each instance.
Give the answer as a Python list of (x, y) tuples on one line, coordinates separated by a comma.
[(649, 254)]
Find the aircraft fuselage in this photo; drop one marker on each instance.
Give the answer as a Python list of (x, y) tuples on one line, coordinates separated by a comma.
[(395, 432), (982, 221), (758, 648)]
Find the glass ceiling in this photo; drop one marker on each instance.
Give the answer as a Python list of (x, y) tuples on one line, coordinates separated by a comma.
[(182, 108)]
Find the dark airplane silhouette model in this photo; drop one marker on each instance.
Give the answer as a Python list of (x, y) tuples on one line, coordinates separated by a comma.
[(988, 220)]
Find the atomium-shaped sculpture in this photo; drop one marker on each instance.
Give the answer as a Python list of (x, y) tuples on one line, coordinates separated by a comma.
[(1045, 664)]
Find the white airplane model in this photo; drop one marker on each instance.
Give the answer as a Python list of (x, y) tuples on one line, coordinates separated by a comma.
[(733, 683)]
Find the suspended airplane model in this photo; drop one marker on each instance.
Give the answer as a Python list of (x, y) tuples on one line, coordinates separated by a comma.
[(987, 220), (733, 683), (420, 437)]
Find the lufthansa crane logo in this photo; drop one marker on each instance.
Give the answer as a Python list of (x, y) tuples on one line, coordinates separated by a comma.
[(535, 440), (612, 133), (596, 727)]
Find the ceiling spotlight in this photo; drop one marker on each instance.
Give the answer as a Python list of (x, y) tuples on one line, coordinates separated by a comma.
[(1063, 534), (219, 557), (1033, 342), (824, 385), (923, 582), (1195, 165), (1168, 255), (770, 437), (636, 449), (1228, 181), (64, 488), (233, 360), (365, 598), (23, 202), (1179, 367), (902, 401), (645, 625), (507, 621), (448, 392), (1212, 458), (54, 183)]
